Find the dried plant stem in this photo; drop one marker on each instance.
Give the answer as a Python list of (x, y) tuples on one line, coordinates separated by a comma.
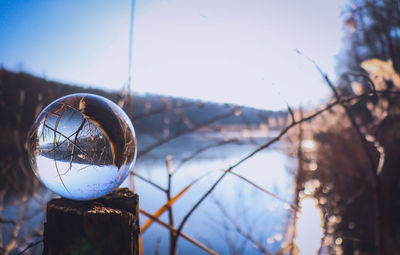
[(299, 185), (188, 238), (378, 223), (172, 247), (30, 246), (294, 123), (292, 206), (190, 130), (200, 150), (148, 181), (373, 167), (241, 231)]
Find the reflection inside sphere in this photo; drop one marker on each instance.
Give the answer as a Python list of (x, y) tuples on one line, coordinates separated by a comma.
[(82, 146)]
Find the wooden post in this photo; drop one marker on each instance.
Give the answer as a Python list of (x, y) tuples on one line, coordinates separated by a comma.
[(108, 225)]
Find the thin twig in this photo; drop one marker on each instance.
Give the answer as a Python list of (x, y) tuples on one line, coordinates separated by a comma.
[(299, 184), (172, 247), (30, 246), (148, 181), (241, 231), (200, 150), (266, 145), (373, 167), (168, 139), (188, 238), (370, 82), (7, 221), (292, 206)]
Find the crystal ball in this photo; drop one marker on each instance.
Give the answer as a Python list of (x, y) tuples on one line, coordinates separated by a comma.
[(82, 146)]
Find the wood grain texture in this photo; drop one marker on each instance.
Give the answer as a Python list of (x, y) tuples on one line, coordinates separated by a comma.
[(108, 225)]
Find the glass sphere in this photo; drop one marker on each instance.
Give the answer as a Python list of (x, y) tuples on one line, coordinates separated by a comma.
[(82, 146)]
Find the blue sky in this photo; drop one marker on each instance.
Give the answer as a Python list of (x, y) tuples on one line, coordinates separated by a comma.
[(234, 51)]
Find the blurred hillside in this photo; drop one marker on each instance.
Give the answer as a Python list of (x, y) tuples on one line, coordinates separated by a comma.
[(157, 119), (29, 94)]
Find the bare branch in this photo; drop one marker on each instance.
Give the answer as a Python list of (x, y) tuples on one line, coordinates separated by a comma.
[(266, 145), (148, 181), (172, 247), (292, 206), (241, 231), (370, 82), (168, 139), (7, 221), (291, 113), (188, 238), (30, 246), (200, 150)]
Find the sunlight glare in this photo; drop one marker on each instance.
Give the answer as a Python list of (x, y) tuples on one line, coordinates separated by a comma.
[(310, 186), (313, 166), (308, 144), (309, 227)]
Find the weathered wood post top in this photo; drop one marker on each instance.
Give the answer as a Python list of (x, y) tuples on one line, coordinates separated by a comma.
[(108, 225)]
